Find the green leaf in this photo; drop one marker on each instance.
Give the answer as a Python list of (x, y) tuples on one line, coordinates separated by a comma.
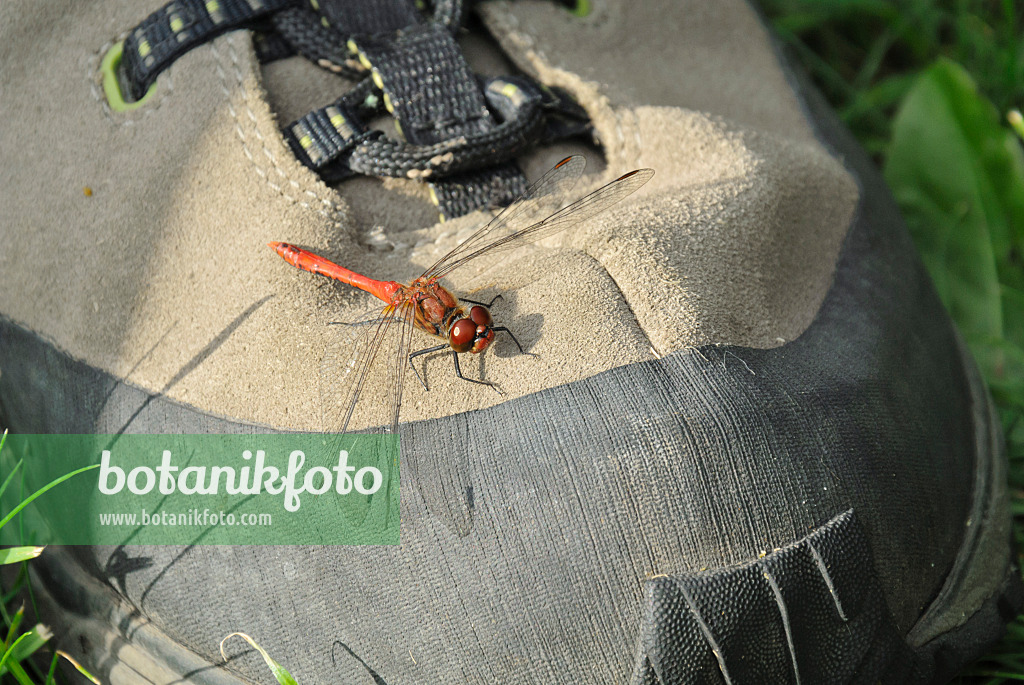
[(12, 650), (1002, 363), (20, 674), (50, 679), (40, 491), (26, 645), (885, 93), (78, 667), (958, 175), (1016, 121), (12, 629), (283, 677), (10, 476), (1013, 315), (13, 555)]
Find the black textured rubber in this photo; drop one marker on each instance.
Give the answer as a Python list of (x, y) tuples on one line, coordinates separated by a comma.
[(815, 610), (811, 612)]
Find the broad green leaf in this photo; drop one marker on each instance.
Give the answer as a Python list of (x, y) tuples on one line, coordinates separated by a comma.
[(283, 677), (958, 175)]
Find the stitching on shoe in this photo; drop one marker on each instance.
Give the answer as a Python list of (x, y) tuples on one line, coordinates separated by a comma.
[(637, 139), (332, 209), (165, 85), (525, 33)]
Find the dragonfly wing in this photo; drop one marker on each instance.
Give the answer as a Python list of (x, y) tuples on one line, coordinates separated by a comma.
[(561, 219), (396, 356), (360, 377), (541, 199)]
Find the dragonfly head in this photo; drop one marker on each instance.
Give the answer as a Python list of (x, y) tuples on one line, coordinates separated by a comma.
[(472, 333)]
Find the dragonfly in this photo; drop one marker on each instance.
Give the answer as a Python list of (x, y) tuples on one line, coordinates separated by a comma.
[(425, 304)]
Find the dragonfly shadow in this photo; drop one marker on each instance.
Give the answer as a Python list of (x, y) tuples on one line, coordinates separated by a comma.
[(373, 674), (190, 365)]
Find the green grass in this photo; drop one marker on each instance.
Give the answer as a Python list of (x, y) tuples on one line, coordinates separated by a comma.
[(932, 90), (866, 54), (21, 647)]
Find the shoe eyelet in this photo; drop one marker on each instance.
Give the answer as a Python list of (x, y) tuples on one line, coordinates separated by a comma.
[(579, 8), (109, 66)]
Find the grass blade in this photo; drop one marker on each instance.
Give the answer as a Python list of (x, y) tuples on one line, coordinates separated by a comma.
[(42, 490), (78, 667), (283, 677), (13, 555)]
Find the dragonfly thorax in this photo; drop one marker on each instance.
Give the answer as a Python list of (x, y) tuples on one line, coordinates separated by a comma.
[(438, 312)]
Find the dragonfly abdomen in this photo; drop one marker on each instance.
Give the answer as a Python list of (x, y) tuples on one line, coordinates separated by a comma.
[(307, 261)]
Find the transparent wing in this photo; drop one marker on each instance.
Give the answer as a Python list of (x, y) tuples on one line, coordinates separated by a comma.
[(397, 358), (495, 239), (362, 370), (540, 200)]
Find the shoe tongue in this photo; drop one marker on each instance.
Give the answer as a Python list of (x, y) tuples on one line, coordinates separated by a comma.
[(354, 17)]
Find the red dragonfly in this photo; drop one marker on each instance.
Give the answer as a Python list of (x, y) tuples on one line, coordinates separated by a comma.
[(427, 305)]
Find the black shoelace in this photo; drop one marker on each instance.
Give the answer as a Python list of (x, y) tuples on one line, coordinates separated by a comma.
[(460, 132)]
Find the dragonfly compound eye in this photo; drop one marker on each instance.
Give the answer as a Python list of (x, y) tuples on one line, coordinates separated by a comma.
[(480, 316), (484, 337), (461, 335)]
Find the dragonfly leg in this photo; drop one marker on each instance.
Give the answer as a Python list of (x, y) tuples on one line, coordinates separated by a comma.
[(484, 304), (428, 350), (368, 322), (510, 334), (458, 372)]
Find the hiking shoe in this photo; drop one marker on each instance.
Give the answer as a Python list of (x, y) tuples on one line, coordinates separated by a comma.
[(747, 444)]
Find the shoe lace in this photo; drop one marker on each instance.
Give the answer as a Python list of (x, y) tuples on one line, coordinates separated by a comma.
[(460, 131)]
